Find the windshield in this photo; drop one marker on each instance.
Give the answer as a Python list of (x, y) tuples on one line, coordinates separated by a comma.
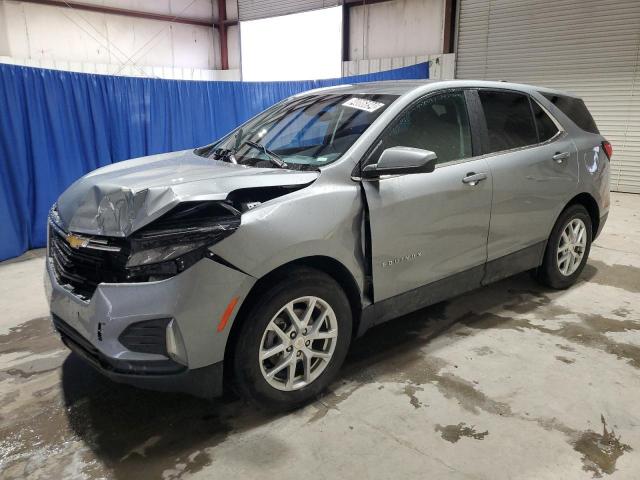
[(301, 133)]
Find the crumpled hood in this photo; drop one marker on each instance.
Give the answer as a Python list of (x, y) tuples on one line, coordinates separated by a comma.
[(121, 198)]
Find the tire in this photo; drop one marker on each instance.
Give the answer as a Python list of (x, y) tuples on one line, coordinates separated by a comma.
[(550, 273), (258, 336)]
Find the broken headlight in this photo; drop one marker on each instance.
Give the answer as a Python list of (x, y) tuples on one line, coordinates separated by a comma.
[(179, 239)]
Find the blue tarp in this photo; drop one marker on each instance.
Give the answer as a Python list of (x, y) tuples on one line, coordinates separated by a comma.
[(56, 126)]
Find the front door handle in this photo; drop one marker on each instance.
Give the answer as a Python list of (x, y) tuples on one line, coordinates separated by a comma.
[(560, 157), (473, 178)]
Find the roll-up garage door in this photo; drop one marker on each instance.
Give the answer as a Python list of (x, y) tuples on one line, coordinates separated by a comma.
[(587, 47), (254, 9)]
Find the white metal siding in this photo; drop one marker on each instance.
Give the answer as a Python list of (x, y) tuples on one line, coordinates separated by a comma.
[(441, 66), (588, 47), (48, 34), (254, 9)]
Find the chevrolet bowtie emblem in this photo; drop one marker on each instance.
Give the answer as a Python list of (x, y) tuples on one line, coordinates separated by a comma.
[(76, 241)]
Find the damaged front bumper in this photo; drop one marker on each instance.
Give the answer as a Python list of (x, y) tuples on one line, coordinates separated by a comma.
[(106, 329)]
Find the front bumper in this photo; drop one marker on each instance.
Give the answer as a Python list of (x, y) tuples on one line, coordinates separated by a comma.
[(195, 299), (164, 376)]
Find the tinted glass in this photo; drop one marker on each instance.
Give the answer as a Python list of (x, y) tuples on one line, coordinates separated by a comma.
[(509, 120), (546, 127), (575, 109), (438, 123), (304, 132)]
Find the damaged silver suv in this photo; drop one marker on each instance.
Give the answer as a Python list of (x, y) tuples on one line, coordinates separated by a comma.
[(265, 253)]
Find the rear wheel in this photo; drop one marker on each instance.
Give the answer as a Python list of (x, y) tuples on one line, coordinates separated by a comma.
[(567, 248), (293, 341)]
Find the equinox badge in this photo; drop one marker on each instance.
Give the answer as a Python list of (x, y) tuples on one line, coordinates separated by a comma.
[(397, 260)]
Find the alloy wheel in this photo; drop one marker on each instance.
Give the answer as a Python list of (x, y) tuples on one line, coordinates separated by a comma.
[(571, 247), (298, 343)]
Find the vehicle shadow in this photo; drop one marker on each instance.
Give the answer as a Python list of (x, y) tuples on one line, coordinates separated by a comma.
[(140, 433)]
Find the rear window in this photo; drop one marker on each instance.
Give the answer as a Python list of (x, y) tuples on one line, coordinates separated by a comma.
[(575, 109), (509, 119)]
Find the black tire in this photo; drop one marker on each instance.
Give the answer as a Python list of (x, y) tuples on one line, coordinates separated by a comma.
[(296, 283), (549, 273)]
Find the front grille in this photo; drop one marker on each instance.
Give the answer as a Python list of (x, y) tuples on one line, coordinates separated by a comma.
[(81, 262), (82, 269)]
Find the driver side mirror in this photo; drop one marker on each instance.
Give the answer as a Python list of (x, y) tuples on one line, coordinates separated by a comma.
[(401, 161)]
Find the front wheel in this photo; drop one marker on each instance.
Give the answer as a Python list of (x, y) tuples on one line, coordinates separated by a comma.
[(293, 341), (567, 248)]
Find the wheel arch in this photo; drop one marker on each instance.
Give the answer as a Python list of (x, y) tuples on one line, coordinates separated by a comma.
[(587, 201), (332, 267)]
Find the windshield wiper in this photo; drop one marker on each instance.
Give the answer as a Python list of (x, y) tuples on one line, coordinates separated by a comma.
[(224, 154), (273, 157)]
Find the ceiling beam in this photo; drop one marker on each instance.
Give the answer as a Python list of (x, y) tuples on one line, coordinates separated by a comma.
[(201, 22)]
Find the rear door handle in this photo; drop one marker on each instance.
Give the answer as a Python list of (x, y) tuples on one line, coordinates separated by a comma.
[(473, 178), (560, 157)]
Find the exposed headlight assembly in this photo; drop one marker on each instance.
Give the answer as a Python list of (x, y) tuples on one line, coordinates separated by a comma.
[(179, 239)]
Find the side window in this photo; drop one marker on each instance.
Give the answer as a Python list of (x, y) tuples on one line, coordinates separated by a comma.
[(546, 127), (575, 109), (509, 120), (438, 123)]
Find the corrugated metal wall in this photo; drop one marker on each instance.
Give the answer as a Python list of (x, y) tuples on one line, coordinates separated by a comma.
[(254, 9), (588, 47)]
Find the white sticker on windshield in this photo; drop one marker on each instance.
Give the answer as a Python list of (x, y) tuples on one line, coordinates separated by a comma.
[(363, 104)]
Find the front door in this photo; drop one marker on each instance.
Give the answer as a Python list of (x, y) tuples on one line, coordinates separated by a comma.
[(429, 226)]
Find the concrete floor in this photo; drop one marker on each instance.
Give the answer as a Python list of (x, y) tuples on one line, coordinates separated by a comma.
[(510, 381)]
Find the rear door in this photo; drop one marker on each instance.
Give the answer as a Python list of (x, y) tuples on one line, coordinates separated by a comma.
[(430, 226), (535, 171)]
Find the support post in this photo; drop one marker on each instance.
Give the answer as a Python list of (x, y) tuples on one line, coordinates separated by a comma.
[(222, 32)]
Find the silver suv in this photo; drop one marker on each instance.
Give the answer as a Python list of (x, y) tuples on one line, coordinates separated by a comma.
[(265, 253)]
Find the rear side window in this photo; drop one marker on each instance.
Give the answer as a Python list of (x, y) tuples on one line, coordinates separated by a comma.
[(575, 109), (509, 119), (546, 127)]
